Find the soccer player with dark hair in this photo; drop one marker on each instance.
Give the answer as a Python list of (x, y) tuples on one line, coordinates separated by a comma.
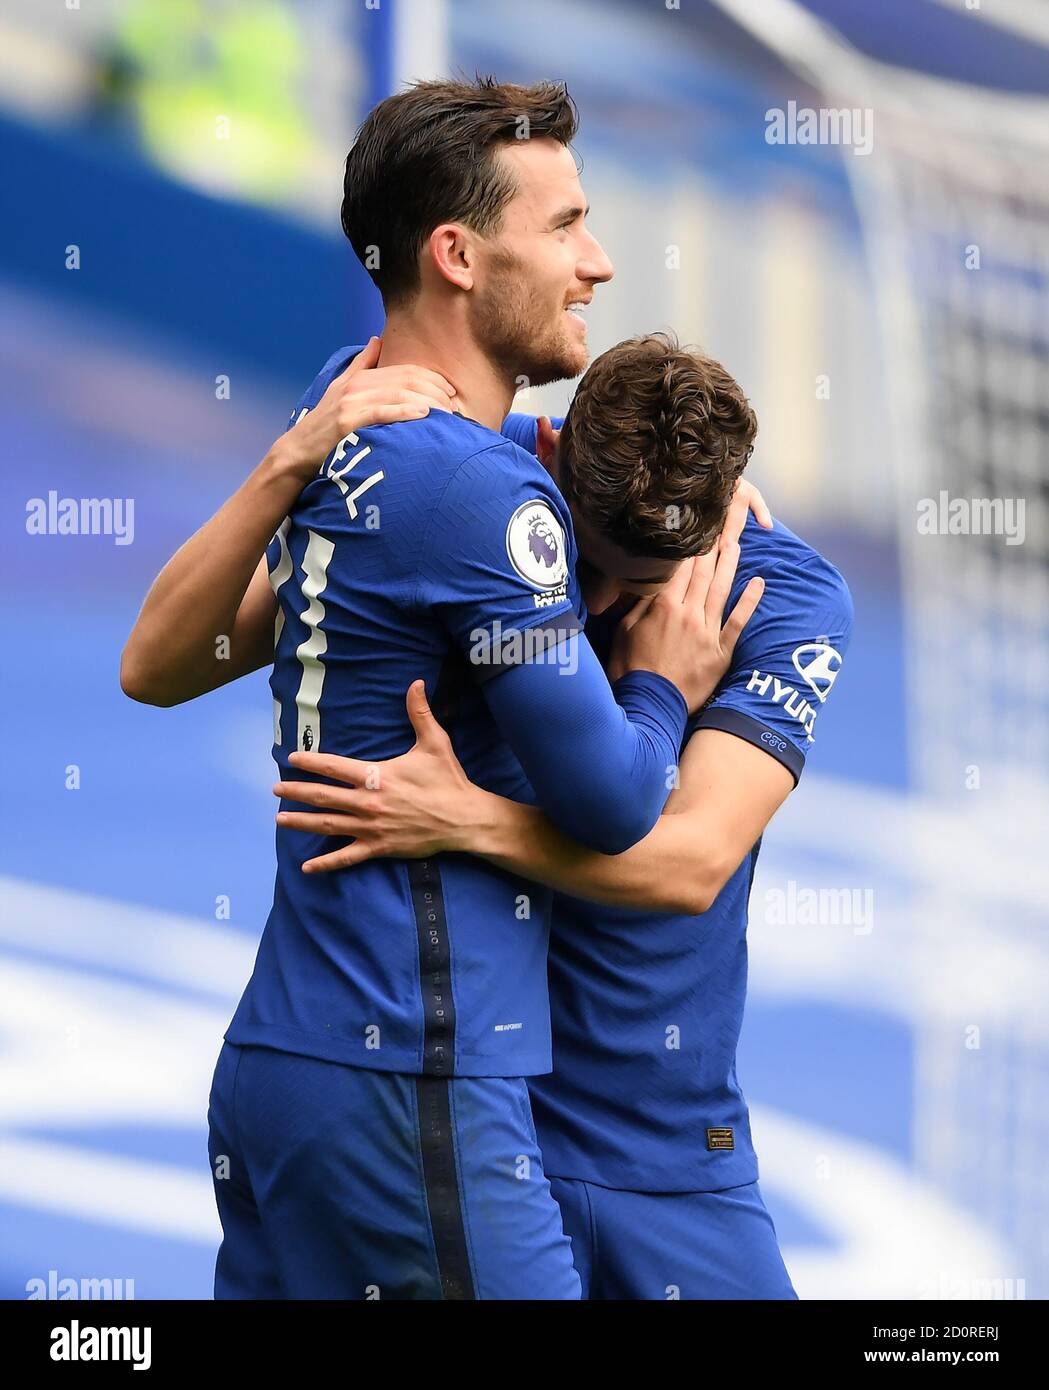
[(370, 1128), (642, 1123)]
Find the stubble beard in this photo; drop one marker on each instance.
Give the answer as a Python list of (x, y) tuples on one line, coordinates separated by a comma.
[(504, 326)]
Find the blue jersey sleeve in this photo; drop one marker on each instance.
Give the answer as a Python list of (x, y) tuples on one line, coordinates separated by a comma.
[(497, 568), (522, 429), (601, 763), (786, 661), (498, 556)]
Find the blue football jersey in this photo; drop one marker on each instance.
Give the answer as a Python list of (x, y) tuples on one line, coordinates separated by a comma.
[(647, 1007), (522, 429), (414, 546)]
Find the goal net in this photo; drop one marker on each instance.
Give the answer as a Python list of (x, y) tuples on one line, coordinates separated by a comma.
[(953, 199)]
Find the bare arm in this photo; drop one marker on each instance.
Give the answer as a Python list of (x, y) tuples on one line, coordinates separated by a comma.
[(422, 803), (208, 617), (729, 792)]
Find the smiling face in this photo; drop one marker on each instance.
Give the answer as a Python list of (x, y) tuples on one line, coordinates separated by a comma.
[(537, 272)]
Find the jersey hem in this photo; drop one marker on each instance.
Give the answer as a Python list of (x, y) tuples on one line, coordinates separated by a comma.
[(404, 1060), (638, 1183)]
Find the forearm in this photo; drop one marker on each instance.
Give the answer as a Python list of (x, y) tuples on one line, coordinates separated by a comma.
[(667, 871), (174, 652)]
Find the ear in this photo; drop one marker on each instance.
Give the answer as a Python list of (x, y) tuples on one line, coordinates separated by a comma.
[(452, 254), (546, 438)]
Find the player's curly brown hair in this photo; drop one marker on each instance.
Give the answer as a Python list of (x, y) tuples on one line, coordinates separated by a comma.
[(653, 445)]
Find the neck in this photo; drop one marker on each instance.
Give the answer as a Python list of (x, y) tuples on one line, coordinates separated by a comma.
[(427, 340)]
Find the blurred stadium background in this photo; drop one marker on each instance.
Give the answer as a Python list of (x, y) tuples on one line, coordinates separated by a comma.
[(172, 174)]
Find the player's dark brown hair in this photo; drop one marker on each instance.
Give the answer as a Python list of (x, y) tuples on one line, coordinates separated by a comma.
[(427, 155), (653, 444)]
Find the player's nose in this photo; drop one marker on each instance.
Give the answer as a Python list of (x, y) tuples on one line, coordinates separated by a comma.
[(594, 265)]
